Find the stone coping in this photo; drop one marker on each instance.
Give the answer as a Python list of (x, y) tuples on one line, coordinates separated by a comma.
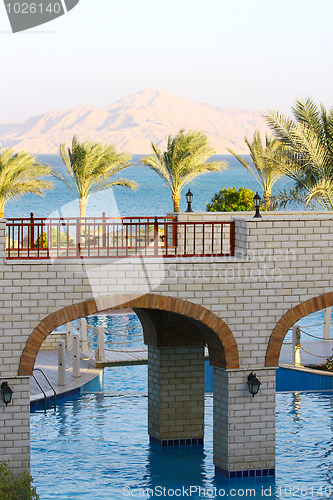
[(307, 370)]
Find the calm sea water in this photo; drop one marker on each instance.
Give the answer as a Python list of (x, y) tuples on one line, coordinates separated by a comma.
[(152, 198)]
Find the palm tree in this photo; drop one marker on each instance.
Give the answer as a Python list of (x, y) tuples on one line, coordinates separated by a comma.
[(185, 158), (20, 174), (90, 168), (269, 163), (309, 139)]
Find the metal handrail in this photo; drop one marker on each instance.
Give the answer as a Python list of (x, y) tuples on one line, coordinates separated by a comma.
[(51, 386), (101, 237)]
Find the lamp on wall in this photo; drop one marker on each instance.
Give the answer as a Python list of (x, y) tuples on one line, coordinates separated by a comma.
[(189, 198), (257, 202), (253, 383), (6, 393)]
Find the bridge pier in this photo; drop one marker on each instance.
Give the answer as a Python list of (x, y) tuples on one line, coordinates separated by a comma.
[(244, 426), (176, 395), (15, 425)]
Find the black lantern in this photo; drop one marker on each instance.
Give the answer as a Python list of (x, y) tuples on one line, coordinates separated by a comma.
[(189, 198), (6, 393), (253, 383), (257, 202)]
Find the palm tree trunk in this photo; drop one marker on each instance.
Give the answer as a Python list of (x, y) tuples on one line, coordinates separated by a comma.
[(83, 207), (267, 200), (83, 235), (175, 199)]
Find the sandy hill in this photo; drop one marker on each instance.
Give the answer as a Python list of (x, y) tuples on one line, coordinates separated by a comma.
[(132, 123)]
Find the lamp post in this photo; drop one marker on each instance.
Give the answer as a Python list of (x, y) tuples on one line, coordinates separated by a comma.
[(6, 393), (257, 202), (189, 198), (253, 383)]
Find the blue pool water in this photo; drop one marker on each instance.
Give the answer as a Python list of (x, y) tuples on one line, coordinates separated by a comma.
[(95, 446)]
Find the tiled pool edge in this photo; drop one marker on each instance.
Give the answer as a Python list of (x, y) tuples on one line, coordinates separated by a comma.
[(292, 378), (39, 402)]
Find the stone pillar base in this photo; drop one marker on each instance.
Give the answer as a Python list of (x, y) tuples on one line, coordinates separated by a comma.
[(239, 474), (177, 442), (176, 395), (244, 426)]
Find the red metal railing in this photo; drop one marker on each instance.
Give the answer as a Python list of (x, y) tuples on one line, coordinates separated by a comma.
[(97, 237)]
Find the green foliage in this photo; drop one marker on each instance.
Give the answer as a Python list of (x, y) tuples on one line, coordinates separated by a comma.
[(42, 241), (16, 486), (329, 364), (232, 200), (308, 138), (91, 167), (20, 174), (269, 163), (185, 159)]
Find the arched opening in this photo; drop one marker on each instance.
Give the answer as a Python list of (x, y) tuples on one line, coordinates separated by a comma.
[(288, 320), (176, 332), (216, 333)]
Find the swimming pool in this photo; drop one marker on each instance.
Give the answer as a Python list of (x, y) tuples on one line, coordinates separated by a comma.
[(95, 446)]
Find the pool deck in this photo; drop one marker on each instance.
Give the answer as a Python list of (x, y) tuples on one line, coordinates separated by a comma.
[(47, 361), (321, 349)]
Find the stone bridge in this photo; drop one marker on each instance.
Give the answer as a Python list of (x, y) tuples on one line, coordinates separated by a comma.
[(241, 307)]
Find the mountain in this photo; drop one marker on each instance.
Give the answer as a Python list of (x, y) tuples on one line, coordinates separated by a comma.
[(132, 123)]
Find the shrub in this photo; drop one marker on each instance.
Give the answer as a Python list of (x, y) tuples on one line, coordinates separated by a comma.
[(232, 200), (329, 364), (16, 486), (42, 241)]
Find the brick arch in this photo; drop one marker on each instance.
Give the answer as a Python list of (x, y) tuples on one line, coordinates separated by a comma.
[(196, 312), (289, 319)]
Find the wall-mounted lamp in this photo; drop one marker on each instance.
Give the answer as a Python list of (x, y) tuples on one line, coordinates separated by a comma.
[(253, 383), (257, 202), (6, 393), (189, 198)]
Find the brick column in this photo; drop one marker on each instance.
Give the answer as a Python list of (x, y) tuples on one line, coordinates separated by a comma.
[(15, 425), (2, 241), (244, 426), (176, 395)]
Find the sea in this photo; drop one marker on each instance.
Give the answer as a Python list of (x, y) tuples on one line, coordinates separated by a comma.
[(152, 198)]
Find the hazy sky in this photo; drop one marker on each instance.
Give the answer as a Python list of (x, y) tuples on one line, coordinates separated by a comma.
[(232, 53)]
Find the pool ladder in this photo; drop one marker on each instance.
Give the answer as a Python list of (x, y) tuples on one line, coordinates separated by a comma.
[(41, 388)]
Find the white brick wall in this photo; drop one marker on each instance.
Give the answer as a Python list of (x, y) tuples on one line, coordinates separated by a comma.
[(280, 261), (244, 426)]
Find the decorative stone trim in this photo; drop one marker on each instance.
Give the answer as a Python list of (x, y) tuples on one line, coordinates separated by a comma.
[(224, 338), (176, 442), (241, 474), (288, 320)]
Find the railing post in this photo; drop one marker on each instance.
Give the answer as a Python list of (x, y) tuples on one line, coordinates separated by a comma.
[(103, 230), (76, 355), (296, 345), (61, 363), (232, 238), (84, 337), (78, 237), (32, 232), (327, 324), (69, 337), (155, 236), (100, 353)]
